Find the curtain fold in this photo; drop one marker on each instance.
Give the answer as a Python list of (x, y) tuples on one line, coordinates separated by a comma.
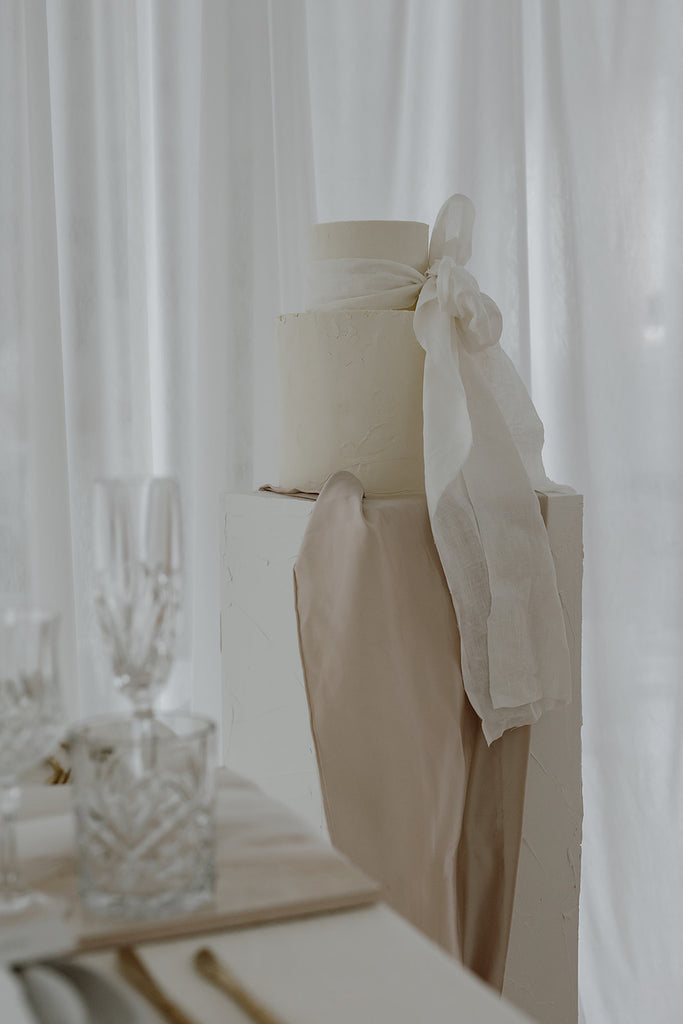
[(629, 257), (35, 524)]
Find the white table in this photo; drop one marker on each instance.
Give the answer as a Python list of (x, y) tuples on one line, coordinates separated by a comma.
[(362, 966)]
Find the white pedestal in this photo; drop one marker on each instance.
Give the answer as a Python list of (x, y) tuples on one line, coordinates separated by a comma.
[(541, 974), (267, 735), (266, 724)]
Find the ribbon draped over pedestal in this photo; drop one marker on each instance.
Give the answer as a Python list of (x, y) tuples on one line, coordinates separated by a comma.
[(482, 454)]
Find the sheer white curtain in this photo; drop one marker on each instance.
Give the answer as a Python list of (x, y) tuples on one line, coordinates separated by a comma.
[(149, 237), (160, 164)]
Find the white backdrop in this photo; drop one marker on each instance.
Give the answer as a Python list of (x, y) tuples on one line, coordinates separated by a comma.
[(160, 164)]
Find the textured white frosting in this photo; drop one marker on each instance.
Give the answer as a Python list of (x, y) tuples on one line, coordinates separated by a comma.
[(351, 380), (399, 240)]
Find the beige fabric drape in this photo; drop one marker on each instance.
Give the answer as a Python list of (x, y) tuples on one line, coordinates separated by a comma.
[(412, 792)]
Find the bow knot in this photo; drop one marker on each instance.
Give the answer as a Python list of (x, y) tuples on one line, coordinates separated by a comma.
[(458, 294)]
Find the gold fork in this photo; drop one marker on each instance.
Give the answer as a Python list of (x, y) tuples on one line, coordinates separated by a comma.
[(136, 974), (208, 965)]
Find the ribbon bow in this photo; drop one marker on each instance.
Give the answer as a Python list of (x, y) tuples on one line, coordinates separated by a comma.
[(451, 313), (457, 293)]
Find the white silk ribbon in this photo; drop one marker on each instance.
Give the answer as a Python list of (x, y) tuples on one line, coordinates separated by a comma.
[(363, 284), (482, 454)]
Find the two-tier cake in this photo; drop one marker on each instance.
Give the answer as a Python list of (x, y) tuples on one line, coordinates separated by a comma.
[(351, 379)]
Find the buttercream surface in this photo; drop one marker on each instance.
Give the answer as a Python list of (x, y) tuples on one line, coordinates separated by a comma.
[(403, 241), (351, 399)]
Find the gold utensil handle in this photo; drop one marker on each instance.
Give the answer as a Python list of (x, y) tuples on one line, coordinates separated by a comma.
[(136, 974), (208, 965)]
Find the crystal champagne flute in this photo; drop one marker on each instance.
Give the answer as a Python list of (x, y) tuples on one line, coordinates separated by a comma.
[(138, 578)]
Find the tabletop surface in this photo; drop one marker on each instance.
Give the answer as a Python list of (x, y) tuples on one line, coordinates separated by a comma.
[(358, 966)]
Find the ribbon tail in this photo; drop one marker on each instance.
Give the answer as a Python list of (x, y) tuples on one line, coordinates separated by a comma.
[(514, 402), (528, 655), (491, 538)]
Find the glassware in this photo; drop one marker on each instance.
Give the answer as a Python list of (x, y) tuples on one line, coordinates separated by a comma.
[(143, 799), (30, 725), (138, 566)]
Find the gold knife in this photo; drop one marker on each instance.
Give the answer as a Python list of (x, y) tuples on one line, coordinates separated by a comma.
[(208, 965), (136, 974)]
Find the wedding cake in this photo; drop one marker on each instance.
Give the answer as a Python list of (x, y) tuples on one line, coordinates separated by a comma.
[(351, 379)]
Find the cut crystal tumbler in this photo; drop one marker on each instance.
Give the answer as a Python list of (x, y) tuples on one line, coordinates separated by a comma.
[(143, 800)]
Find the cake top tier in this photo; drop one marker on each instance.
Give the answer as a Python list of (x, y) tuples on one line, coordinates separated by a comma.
[(400, 240)]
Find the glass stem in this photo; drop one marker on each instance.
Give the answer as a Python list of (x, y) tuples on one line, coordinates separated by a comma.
[(143, 730), (10, 884)]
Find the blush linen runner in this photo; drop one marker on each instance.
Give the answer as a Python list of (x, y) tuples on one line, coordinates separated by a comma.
[(413, 793)]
